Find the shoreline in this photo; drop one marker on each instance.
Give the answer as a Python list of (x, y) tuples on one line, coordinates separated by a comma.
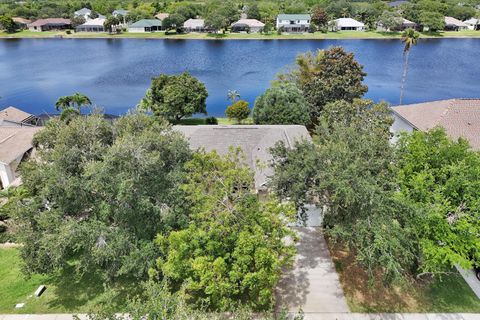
[(345, 35)]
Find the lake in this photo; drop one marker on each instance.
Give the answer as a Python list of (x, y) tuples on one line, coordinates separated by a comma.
[(115, 73)]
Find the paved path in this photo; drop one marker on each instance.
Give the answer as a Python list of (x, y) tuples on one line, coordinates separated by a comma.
[(312, 285), (471, 280)]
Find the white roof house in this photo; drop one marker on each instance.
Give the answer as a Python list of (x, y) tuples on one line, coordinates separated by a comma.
[(254, 140), (348, 24), (93, 25), (454, 24), (194, 25), (472, 24), (84, 12), (251, 25)]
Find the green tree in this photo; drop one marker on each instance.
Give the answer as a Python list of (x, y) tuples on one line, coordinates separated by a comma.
[(253, 12), (75, 101), (111, 23), (7, 24), (238, 111), (319, 17), (348, 172), (390, 20), (175, 97), (282, 104), (442, 178), (173, 21), (327, 76), (233, 251), (98, 194), (410, 39), (434, 21)]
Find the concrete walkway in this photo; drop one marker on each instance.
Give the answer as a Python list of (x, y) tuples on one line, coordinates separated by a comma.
[(471, 280), (312, 285)]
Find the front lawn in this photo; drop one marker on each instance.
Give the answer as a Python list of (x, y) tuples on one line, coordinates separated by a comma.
[(64, 293), (448, 294)]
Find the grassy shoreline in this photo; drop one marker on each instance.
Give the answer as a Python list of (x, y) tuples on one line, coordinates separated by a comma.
[(347, 35)]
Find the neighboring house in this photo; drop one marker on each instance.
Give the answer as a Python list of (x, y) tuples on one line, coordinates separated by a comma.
[(473, 24), (459, 118), (12, 116), (344, 24), (395, 4), (92, 25), (120, 13), (405, 24), (84, 13), (194, 25), (162, 16), (15, 146), (292, 23), (22, 23), (50, 24), (452, 24), (145, 25), (248, 25), (254, 140)]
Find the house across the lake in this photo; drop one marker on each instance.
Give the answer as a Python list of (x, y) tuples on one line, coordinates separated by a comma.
[(254, 140), (403, 24), (396, 4), (347, 24), (194, 25), (292, 23), (473, 24), (12, 116), (459, 118), (92, 25), (50, 24), (145, 25), (15, 146), (248, 25), (83, 13), (22, 23), (452, 24), (162, 16)]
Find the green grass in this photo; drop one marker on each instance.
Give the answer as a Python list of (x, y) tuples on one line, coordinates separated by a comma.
[(220, 36), (64, 293)]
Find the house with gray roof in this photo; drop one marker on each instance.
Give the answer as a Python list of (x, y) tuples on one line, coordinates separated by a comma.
[(247, 25), (194, 25), (84, 13), (12, 116), (120, 13), (459, 117), (396, 4), (145, 25), (452, 24), (255, 142), (473, 24), (293, 23)]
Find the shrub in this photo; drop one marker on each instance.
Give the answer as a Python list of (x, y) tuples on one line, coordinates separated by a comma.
[(3, 228), (238, 111), (281, 104), (69, 32), (211, 120)]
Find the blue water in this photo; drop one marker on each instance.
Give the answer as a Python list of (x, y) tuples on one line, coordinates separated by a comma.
[(115, 73)]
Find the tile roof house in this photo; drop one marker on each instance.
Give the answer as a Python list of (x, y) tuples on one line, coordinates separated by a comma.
[(15, 144), (50, 24), (292, 23), (348, 24), (194, 25), (12, 116), (21, 22), (453, 24), (145, 25), (92, 25), (254, 140), (162, 16), (459, 118), (248, 25)]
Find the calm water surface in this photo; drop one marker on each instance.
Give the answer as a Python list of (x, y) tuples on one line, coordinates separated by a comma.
[(115, 73)]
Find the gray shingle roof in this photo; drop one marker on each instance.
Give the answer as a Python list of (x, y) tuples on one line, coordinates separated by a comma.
[(254, 140), (294, 16), (459, 117), (15, 115), (146, 23), (15, 141)]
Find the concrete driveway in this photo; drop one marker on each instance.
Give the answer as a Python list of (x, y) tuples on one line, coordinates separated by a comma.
[(471, 280), (312, 285)]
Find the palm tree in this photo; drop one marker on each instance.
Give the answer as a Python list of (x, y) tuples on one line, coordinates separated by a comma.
[(410, 39), (233, 95), (76, 101), (63, 103)]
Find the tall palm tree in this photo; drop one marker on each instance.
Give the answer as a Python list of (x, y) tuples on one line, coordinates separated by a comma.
[(63, 103), (409, 39), (233, 95), (80, 100)]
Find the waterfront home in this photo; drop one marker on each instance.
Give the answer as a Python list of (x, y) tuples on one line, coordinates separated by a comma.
[(120, 13), (292, 23), (459, 118), (347, 24), (254, 140), (194, 25), (473, 24), (403, 24), (12, 116), (83, 13), (162, 16), (50, 24), (247, 25), (15, 146), (396, 4), (92, 25), (145, 25), (452, 24), (22, 23)]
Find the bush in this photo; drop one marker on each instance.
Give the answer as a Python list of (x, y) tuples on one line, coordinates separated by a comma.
[(238, 111), (281, 104), (69, 32), (3, 228), (211, 120)]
